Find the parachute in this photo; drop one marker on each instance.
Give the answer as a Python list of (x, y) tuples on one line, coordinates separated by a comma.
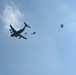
[(61, 25)]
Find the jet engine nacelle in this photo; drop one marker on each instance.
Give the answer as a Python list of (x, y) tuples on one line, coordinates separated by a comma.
[(20, 37), (10, 30)]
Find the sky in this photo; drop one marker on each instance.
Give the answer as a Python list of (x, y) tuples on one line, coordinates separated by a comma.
[(51, 51)]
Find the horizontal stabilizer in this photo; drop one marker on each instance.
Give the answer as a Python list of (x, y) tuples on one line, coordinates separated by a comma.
[(27, 25)]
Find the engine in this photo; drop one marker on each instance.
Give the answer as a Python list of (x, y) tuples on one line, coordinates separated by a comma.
[(19, 37)]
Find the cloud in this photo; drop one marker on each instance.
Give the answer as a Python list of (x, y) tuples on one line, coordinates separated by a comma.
[(11, 15)]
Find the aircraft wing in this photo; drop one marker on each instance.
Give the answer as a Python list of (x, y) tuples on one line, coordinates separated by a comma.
[(22, 37), (12, 29)]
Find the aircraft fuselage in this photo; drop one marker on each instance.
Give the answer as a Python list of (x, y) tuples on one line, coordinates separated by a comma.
[(17, 32)]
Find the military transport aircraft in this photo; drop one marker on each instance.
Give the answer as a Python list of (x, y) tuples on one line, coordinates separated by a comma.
[(15, 33)]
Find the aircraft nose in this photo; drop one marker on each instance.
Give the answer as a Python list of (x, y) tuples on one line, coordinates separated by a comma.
[(11, 35)]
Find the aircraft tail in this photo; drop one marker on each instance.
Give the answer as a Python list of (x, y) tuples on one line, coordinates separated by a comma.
[(26, 25)]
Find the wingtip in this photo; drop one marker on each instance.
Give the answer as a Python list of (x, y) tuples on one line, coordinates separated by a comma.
[(10, 24)]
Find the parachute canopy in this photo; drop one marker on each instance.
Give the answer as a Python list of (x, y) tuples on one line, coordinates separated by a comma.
[(61, 25)]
